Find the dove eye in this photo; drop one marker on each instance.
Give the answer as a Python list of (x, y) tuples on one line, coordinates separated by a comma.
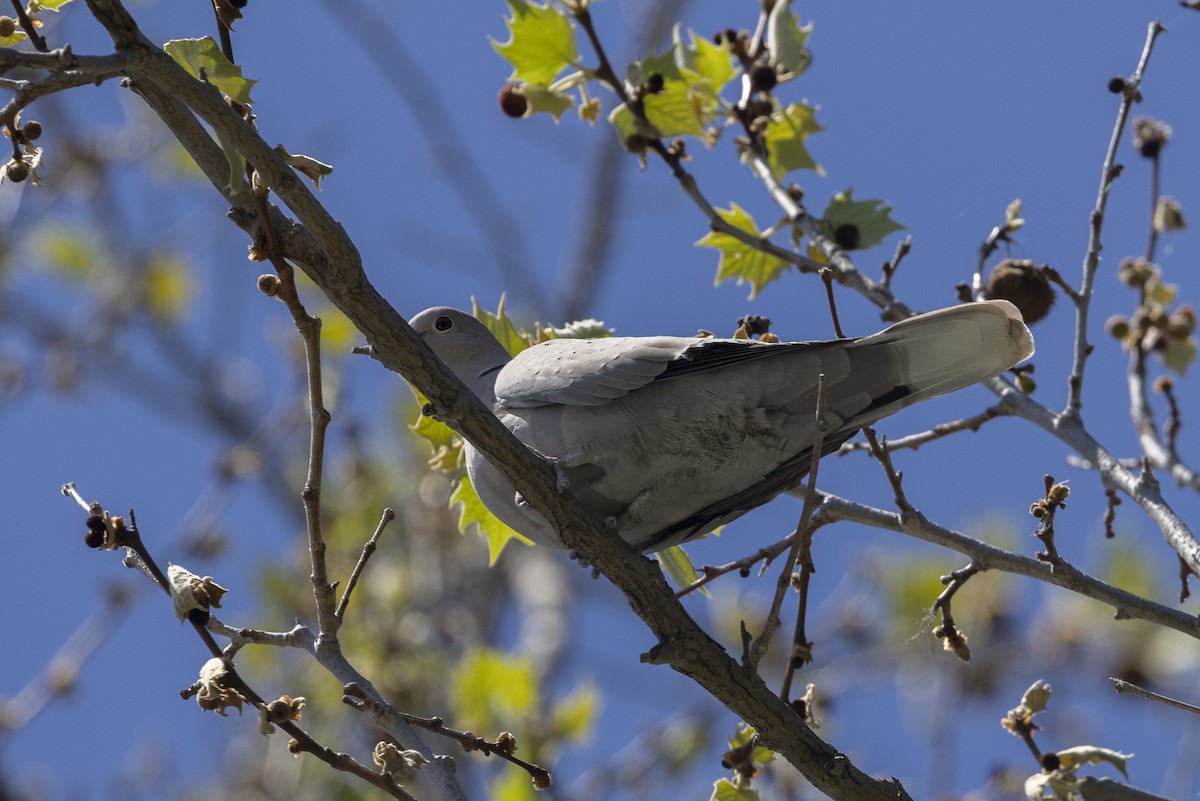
[(443, 323)]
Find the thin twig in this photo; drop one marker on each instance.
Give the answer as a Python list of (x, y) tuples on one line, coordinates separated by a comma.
[(30, 29), (503, 746), (915, 441), (766, 555), (367, 551), (890, 267), (1122, 686), (784, 582), (881, 450), (1091, 260)]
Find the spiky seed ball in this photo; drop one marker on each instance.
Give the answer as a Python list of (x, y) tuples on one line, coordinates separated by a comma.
[(1022, 283), (512, 102), (1150, 136), (1116, 85), (8, 26), (31, 130)]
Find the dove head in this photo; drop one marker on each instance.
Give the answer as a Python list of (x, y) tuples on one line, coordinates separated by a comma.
[(465, 345)]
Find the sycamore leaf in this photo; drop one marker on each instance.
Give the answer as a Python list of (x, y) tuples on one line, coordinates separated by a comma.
[(871, 218), (237, 164), (676, 110), (784, 140), (315, 170), (512, 785), (491, 690), (66, 251), (725, 790), (167, 286), (739, 260), (541, 42), (491, 527), (36, 6), (679, 567), (1072, 758), (1180, 354), (501, 326), (204, 61), (786, 39), (706, 60), (574, 717), (543, 100)]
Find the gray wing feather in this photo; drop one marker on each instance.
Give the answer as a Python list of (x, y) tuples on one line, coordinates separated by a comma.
[(585, 372)]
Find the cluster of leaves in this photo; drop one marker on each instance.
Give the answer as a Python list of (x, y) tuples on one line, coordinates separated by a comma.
[(678, 93)]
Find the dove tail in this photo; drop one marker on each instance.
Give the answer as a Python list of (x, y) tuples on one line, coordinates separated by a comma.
[(940, 351)]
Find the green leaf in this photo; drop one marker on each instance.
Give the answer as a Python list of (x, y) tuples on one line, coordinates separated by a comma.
[(786, 39), (512, 785), (546, 101), (575, 716), (17, 36), (501, 326), (1180, 354), (784, 140), (871, 217), (204, 61), (491, 527), (167, 286), (491, 690), (65, 251), (237, 164), (744, 734), (711, 62), (679, 567), (36, 6), (541, 42), (725, 790), (738, 259), (677, 110)]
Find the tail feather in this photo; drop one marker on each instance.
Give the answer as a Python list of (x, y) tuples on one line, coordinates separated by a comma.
[(938, 352)]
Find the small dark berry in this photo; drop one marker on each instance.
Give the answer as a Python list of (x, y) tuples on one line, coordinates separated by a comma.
[(763, 78), (1116, 85), (16, 171), (730, 35), (93, 538), (95, 523), (512, 102), (1050, 761), (31, 130), (654, 84), (847, 236)]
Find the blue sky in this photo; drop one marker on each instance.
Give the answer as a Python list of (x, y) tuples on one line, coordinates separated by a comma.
[(948, 111)]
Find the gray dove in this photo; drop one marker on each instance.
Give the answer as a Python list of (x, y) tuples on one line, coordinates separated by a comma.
[(667, 438)]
